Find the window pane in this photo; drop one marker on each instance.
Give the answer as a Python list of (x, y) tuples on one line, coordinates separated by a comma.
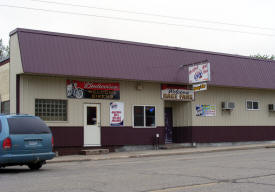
[(5, 107), (91, 116), (138, 116), (255, 105), (27, 125), (150, 116), (249, 105)]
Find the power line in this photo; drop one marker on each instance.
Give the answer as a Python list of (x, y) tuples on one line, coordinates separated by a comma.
[(155, 15), (134, 20)]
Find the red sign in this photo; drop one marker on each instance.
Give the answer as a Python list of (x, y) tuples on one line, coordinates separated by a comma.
[(92, 90), (171, 86), (95, 86)]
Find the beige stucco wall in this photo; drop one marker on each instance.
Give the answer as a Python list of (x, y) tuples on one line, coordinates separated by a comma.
[(239, 116), (32, 87), (4, 79), (15, 68)]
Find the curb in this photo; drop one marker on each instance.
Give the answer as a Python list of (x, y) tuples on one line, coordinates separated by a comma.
[(102, 157), (201, 151)]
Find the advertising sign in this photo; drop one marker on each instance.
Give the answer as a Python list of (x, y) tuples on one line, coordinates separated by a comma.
[(176, 92), (200, 87), (199, 73), (116, 113), (92, 90), (206, 110)]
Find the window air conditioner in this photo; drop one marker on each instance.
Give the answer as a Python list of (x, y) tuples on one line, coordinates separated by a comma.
[(228, 105), (271, 107)]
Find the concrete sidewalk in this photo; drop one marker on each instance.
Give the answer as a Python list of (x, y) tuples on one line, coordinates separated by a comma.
[(155, 153)]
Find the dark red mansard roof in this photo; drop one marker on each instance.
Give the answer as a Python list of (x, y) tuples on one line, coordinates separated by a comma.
[(81, 56)]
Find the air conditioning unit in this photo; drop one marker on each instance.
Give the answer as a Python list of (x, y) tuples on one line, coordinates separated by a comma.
[(228, 105), (271, 107)]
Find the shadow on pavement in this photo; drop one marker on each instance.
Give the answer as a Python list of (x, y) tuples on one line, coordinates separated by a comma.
[(17, 170)]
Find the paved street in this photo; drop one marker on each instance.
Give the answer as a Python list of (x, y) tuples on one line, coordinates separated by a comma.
[(242, 170)]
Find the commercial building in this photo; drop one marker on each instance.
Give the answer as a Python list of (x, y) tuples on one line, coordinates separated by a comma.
[(95, 92)]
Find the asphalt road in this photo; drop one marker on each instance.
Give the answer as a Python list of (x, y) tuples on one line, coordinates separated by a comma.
[(243, 170)]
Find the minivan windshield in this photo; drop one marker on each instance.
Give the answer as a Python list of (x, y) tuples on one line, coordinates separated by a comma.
[(27, 125)]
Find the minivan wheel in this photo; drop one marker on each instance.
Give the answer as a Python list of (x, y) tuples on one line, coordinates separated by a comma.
[(35, 166)]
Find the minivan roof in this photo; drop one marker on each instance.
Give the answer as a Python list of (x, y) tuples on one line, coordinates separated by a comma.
[(16, 115)]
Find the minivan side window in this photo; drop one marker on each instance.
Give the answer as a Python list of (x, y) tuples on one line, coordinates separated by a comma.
[(27, 125), (0, 126)]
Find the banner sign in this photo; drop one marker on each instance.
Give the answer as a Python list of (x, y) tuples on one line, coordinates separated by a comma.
[(200, 87), (176, 92), (206, 110), (116, 113), (199, 73), (92, 90)]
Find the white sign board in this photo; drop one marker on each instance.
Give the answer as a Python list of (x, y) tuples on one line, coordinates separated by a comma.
[(116, 113), (199, 73), (200, 87), (170, 92)]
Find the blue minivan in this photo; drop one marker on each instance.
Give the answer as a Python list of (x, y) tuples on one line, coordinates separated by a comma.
[(25, 140)]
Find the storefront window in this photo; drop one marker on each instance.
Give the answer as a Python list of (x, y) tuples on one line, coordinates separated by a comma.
[(144, 116), (51, 109), (150, 116), (5, 107), (139, 116)]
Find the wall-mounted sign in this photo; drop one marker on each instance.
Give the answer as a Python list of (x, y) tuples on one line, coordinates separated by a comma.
[(206, 110), (92, 90), (200, 87), (199, 73), (116, 113), (176, 92)]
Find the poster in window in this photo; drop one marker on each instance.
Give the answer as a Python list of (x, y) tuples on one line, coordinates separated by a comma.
[(92, 90), (206, 110), (116, 113)]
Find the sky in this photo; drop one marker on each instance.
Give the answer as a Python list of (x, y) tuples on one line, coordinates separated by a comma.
[(243, 27)]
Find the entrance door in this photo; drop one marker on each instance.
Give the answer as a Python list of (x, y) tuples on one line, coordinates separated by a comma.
[(92, 125), (168, 125)]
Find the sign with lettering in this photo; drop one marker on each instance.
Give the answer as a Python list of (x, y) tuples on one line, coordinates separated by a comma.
[(176, 92), (200, 87), (92, 90), (199, 73), (206, 110), (116, 113)]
